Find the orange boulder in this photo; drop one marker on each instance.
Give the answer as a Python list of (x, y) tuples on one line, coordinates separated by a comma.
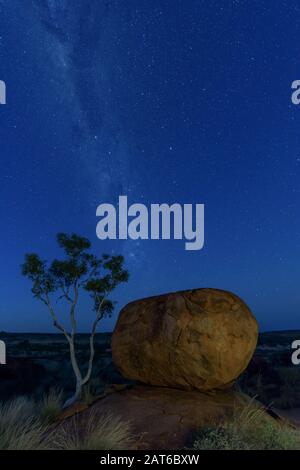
[(198, 339)]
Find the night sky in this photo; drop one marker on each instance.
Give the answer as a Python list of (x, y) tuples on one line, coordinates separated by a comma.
[(169, 101)]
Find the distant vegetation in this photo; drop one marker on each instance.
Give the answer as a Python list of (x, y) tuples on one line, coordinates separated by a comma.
[(271, 377)]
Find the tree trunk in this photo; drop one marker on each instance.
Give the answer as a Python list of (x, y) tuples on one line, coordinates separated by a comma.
[(75, 398), (79, 382)]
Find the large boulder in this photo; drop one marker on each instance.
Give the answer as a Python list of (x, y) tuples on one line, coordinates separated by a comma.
[(198, 339)]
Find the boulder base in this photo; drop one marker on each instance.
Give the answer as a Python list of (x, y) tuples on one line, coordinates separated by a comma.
[(164, 418), (198, 339)]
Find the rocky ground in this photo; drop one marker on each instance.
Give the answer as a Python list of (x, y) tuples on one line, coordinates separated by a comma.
[(164, 418)]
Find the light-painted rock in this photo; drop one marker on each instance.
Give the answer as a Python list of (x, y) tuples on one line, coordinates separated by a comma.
[(198, 339)]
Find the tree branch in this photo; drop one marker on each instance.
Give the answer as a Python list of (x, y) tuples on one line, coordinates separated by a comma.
[(56, 323), (72, 311), (66, 293), (90, 275)]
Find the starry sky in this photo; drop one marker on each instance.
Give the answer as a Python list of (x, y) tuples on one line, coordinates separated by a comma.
[(163, 101)]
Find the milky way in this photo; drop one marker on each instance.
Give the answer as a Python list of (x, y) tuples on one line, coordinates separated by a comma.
[(164, 102)]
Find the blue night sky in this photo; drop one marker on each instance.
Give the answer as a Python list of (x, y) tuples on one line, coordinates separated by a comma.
[(163, 101)]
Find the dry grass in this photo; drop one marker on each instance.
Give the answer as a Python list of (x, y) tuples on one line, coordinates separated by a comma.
[(20, 428), (249, 429), (24, 427), (92, 433), (51, 406)]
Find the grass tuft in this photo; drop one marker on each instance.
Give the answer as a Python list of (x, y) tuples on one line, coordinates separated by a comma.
[(51, 406), (249, 429), (20, 428), (88, 395), (94, 433)]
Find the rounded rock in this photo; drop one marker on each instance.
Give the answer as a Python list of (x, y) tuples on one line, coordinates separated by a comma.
[(198, 339)]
